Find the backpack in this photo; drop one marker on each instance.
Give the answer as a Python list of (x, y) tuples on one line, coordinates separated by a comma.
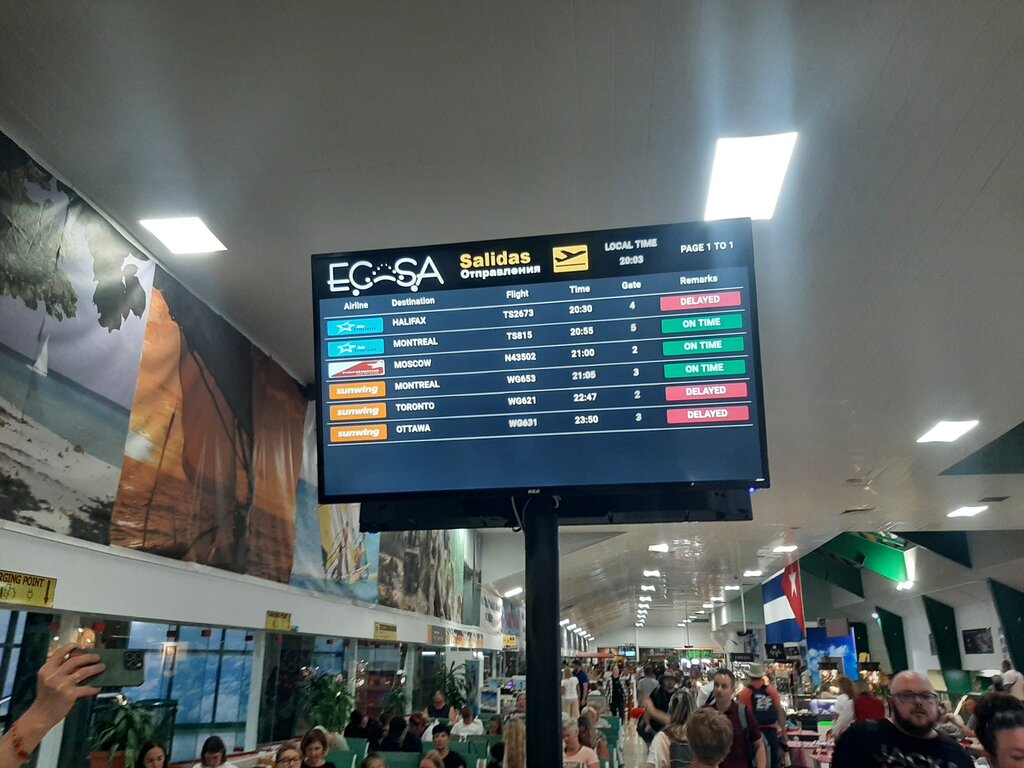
[(746, 730), (679, 754), (763, 706)]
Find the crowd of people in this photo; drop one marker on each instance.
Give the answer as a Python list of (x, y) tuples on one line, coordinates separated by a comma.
[(704, 721)]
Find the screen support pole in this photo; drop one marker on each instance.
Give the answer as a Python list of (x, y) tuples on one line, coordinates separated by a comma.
[(543, 645)]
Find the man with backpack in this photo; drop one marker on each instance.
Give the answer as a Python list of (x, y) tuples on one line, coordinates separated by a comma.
[(766, 703), (747, 743)]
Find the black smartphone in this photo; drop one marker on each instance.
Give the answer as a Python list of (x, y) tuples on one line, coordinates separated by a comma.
[(125, 668)]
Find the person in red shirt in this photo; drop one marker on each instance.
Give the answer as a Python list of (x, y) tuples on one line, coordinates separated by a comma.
[(747, 744), (866, 706), (766, 704)]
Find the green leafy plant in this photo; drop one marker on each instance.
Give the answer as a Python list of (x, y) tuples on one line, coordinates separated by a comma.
[(327, 701), (394, 702), (124, 729), (452, 683)]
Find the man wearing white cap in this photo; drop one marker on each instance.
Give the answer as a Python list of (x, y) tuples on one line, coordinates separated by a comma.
[(766, 703)]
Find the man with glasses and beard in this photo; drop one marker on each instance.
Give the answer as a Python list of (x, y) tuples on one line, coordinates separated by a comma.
[(907, 738)]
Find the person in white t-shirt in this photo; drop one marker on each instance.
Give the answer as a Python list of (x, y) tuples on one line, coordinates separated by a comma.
[(467, 725), (1013, 681), (570, 694)]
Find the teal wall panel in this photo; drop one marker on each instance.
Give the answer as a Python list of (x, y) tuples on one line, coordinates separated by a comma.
[(895, 640), (1010, 607), (942, 622)]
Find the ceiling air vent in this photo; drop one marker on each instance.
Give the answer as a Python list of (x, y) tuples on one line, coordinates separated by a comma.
[(855, 510)]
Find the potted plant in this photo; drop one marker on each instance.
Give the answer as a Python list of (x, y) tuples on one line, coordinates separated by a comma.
[(394, 702), (327, 701), (452, 683), (121, 732)]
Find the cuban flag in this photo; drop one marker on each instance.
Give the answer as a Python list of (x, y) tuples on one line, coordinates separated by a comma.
[(784, 606)]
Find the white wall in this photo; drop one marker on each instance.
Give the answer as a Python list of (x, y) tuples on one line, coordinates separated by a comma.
[(659, 637), (111, 581)]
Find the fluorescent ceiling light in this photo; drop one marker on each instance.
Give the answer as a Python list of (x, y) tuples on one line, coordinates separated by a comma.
[(905, 585), (967, 511), (514, 591), (184, 235), (708, 605), (752, 574), (571, 626), (700, 613), (658, 548), (428, 653), (717, 599), (647, 587), (874, 615), (638, 624), (681, 624), (947, 431), (645, 598), (784, 548), (732, 587), (652, 574), (747, 176), (563, 622)]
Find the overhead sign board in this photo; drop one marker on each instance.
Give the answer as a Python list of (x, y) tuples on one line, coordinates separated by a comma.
[(575, 363)]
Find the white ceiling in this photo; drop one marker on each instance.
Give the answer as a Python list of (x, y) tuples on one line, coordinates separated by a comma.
[(890, 279)]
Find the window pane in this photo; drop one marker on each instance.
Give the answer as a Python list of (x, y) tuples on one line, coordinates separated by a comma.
[(232, 702), (145, 635), (193, 637), (155, 683), (5, 620), (234, 640), (195, 678)]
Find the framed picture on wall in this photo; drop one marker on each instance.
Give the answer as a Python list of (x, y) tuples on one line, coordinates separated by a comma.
[(977, 641)]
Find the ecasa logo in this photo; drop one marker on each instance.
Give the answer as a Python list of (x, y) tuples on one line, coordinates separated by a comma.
[(360, 276)]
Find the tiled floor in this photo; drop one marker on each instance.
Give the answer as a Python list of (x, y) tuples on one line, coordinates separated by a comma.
[(634, 750)]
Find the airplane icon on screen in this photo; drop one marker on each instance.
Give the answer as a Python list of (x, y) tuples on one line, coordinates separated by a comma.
[(571, 258)]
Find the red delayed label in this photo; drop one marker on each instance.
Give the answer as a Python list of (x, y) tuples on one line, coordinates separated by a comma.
[(689, 392), (708, 415), (701, 301)]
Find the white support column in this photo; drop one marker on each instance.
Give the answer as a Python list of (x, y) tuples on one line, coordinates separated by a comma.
[(351, 662), (252, 712), (49, 749), (411, 657)]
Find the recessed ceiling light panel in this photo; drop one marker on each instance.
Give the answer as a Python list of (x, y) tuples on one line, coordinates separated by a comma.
[(967, 511), (658, 548), (186, 235), (514, 591), (947, 431), (747, 176), (752, 574), (784, 548), (652, 574)]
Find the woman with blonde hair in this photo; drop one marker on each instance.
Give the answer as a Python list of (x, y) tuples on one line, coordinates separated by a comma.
[(593, 738), (432, 760), (845, 714), (515, 743), (680, 707)]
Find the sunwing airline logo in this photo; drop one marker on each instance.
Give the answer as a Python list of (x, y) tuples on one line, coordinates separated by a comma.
[(355, 369), (571, 258), (360, 276)]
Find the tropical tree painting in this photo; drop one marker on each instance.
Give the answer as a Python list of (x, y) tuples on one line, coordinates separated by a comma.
[(74, 295), (215, 446)]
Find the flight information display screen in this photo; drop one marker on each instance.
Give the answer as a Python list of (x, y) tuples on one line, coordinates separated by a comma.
[(583, 362)]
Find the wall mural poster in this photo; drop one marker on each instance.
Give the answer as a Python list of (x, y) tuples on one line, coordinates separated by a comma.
[(821, 647), (331, 554), (421, 571), (74, 298), (215, 444)]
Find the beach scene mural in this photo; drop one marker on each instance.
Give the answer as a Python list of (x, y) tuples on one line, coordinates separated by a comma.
[(74, 296)]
